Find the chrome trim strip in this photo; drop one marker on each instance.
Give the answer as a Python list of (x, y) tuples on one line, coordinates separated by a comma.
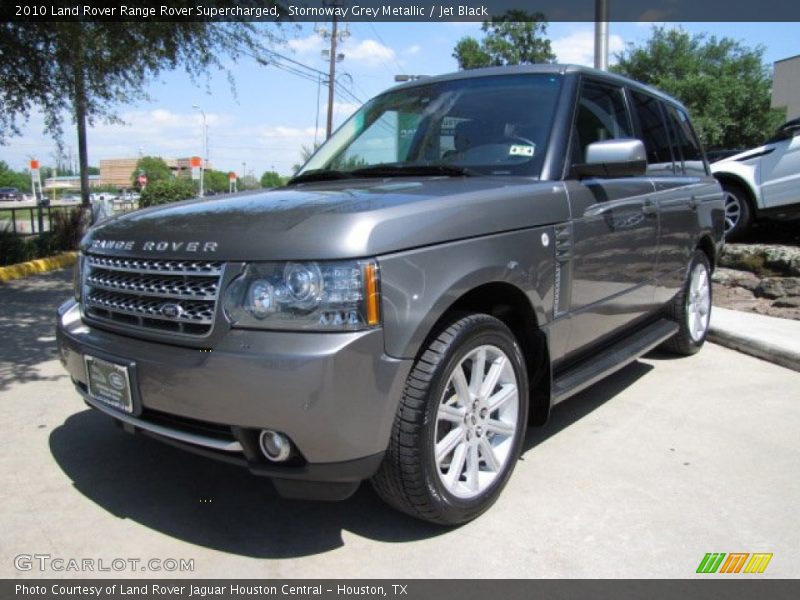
[(128, 290), (181, 436), (93, 303)]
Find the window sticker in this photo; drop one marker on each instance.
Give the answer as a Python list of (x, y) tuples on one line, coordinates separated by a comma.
[(520, 150)]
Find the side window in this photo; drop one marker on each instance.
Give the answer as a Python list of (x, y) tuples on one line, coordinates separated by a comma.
[(654, 134), (686, 143), (601, 116)]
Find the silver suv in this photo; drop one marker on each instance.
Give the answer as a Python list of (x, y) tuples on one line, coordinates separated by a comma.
[(464, 253)]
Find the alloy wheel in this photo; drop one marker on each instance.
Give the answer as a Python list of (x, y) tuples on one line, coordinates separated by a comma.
[(476, 422)]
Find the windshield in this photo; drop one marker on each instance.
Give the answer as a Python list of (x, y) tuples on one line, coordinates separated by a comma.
[(495, 125)]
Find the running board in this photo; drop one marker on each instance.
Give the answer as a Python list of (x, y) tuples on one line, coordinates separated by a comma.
[(611, 359)]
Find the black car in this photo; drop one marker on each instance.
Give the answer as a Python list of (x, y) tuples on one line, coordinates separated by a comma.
[(10, 193)]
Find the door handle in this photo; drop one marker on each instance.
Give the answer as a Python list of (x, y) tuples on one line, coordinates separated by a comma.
[(693, 202), (649, 207)]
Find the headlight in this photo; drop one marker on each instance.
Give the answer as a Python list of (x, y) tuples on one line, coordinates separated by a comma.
[(321, 296), (77, 273)]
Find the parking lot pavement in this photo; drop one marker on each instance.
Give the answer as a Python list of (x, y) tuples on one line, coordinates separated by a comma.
[(638, 477)]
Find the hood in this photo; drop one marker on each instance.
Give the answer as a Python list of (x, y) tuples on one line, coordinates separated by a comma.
[(332, 220), (746, 155)]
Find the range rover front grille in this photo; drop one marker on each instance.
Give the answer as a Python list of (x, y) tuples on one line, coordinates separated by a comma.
[(154, 295)]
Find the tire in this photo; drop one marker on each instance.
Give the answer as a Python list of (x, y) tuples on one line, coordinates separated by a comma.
[(738, 213), (691, 308), (484, 442)]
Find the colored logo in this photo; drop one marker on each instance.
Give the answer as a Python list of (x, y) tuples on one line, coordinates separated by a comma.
[(735, 562)]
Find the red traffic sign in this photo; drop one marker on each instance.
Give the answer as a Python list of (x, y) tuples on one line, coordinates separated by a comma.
[(34, 164), (196, 162), (142, 179), (232, 176)]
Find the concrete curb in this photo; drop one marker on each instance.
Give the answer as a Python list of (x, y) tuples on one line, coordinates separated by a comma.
[(768, 338), (41, 265)]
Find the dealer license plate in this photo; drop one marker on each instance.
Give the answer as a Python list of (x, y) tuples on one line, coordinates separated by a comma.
[(109, 383)]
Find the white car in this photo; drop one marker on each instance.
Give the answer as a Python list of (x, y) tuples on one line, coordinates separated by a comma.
[(761, 182)]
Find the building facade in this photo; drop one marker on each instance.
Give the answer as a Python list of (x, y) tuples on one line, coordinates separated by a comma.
[(786, 86), (118, 172)]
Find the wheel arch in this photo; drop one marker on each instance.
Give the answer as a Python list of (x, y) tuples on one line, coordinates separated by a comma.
[(510, 305), (741, 182), (706, 245)]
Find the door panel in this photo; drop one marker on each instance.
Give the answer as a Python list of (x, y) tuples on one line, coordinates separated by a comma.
[(615, 242), (780, 174)]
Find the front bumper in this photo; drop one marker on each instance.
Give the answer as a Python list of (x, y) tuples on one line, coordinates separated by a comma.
[(333, 394)]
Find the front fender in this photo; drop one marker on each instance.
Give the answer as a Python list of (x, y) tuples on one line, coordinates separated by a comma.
[(745, 174), (418, 286)]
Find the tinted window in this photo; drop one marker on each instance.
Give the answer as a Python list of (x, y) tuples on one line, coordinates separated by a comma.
[(653, 131), (686, 143), (601, 116), (493, 125)]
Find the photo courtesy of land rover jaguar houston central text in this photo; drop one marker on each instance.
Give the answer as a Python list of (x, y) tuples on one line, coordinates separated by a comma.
[(465, 252)]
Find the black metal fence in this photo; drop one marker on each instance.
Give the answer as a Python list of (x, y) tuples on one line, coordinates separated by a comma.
[(33, 220), (30, 220)]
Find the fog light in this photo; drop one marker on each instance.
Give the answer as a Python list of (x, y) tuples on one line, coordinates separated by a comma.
[(275, 446)]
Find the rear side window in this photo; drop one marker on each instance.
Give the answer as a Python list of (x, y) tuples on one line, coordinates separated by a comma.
[(653, 129), (687, 146), (601, 116)]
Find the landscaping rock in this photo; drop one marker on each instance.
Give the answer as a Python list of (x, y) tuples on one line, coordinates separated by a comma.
[(778, 287), (788, 302), (733, 277), (758, 258)]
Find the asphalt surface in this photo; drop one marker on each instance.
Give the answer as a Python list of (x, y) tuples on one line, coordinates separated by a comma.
[(640, 476)]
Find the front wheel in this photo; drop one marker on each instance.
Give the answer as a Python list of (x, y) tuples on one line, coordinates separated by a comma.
[(691, 308), (460, 425)]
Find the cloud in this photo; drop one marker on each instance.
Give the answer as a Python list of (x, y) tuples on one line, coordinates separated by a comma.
[(412, 50), (310, 44), (344, 109), (369, 52), (578, 47)]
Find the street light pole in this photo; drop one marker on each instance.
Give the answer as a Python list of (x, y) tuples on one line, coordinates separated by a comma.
[(205, 148), (601, 35)]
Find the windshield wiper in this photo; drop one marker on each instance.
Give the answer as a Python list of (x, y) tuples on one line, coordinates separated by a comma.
[(390, 170), (319, 175)]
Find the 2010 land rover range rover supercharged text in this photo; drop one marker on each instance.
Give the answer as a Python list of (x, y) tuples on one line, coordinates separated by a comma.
[(463, 253)]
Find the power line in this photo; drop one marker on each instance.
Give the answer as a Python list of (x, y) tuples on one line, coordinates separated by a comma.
[(385, 45)]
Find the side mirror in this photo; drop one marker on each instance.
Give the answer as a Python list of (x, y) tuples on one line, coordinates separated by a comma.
[(614, 158)]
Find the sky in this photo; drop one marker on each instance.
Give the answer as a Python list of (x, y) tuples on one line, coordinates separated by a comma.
[(263, 123)]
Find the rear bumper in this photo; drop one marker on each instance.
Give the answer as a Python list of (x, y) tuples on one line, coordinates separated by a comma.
[(333, 395)]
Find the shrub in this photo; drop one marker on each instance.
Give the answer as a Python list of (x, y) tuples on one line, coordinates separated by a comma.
[(68, 228), (164, 192), (15, 249)]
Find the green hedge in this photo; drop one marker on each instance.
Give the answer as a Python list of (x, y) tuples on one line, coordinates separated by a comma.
[(164, 192)]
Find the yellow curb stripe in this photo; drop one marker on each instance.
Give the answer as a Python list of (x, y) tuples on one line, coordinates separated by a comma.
[(41, 265)]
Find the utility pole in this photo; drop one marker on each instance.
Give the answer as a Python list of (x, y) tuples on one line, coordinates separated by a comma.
[(331, 79), (601, 35), (336, 36), (204, 160)]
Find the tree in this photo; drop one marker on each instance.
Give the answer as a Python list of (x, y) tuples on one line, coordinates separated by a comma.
[(154, 167), (724, 84), (514, 38), (87, 69), (15, 179), (305, 153), (165, 191), (215, 182), (271, 179)]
